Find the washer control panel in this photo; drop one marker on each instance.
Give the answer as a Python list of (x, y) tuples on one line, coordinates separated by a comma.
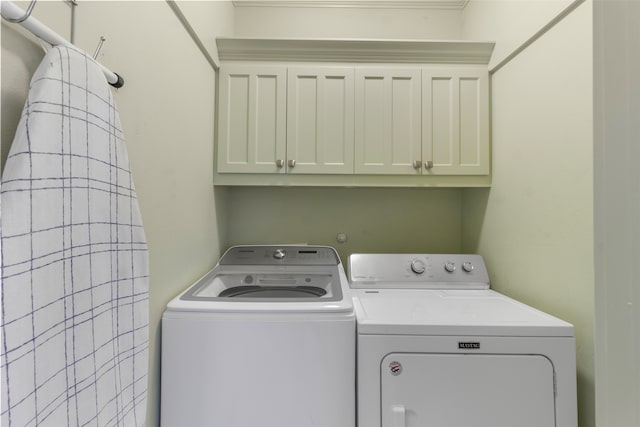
[(280, 255), (421, 271)]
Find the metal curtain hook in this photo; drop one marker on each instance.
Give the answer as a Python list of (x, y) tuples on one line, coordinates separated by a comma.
[(95, 54), (25, 16)]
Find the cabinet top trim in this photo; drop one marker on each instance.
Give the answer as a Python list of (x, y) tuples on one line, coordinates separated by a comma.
[(355, 50)]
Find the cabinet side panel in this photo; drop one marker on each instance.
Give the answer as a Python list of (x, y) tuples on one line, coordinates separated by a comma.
[(305, 140), (266, 129), (335, 135), (470, 140), (375, 148), (405, 124), (238, 120), (442, 121)]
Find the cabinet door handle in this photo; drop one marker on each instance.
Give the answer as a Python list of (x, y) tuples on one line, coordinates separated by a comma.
[(428, 164), (292, 163), (416, 164), (279, 163)]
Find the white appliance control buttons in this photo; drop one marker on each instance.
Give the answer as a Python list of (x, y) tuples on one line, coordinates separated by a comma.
[(279, 254), (422, 271), (467, 266), (417, 266)]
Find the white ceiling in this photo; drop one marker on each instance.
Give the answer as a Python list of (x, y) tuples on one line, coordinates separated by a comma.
[(402, 4)]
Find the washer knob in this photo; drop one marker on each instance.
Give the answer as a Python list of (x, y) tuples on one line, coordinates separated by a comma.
[(417, 266), (279, 254), (450, 267), (467, 266)]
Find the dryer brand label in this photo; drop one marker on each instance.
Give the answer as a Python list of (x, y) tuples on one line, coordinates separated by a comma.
[(395, 368), (469, 345)]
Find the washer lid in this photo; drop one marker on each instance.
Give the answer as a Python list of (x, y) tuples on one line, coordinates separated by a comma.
[(284, 290), (451, 312)]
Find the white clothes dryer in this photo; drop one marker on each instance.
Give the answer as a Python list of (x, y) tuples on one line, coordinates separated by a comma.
[(264, 339), (437, 347)]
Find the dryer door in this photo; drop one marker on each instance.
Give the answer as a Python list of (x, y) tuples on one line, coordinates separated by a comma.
[(467, 390)]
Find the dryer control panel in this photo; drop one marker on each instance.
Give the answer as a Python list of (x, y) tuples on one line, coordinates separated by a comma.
[(417, 271)]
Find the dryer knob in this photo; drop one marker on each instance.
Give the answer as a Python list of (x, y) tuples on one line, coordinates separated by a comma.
[(450, 267), (279, 254), (417, 266), (467, 266)]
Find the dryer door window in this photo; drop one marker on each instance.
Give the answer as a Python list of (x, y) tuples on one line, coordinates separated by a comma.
[(467, 390)]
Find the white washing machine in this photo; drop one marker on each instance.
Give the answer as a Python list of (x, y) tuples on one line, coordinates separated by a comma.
[(437, 347), (265, 339)]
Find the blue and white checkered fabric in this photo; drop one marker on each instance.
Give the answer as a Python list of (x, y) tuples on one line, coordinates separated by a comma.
[(75, 314)]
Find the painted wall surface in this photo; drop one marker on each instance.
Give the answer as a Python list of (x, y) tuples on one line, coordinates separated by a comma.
[(535, 225), (167, 112), (21, 55), (507, 22), (209, 19), (374, 219), (347, 22), (538, 211), (617, 212), (168, 101)]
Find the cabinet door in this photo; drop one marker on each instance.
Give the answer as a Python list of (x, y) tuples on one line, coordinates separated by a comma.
[(252, 118), (320, 120), (388, 128), (455, 126)]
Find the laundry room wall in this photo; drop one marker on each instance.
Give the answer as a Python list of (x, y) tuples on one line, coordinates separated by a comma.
[(272, 20), (509, 23), (167, 113), (374, 219), (534, 226), (21, 55)]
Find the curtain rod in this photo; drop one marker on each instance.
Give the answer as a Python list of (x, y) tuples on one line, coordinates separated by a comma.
[(11, 11)]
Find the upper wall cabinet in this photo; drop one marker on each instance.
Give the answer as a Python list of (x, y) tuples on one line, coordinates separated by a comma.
[(252, 119), (320, 120), (455, 121), (296, 120), (353, 113), (388, 121)]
